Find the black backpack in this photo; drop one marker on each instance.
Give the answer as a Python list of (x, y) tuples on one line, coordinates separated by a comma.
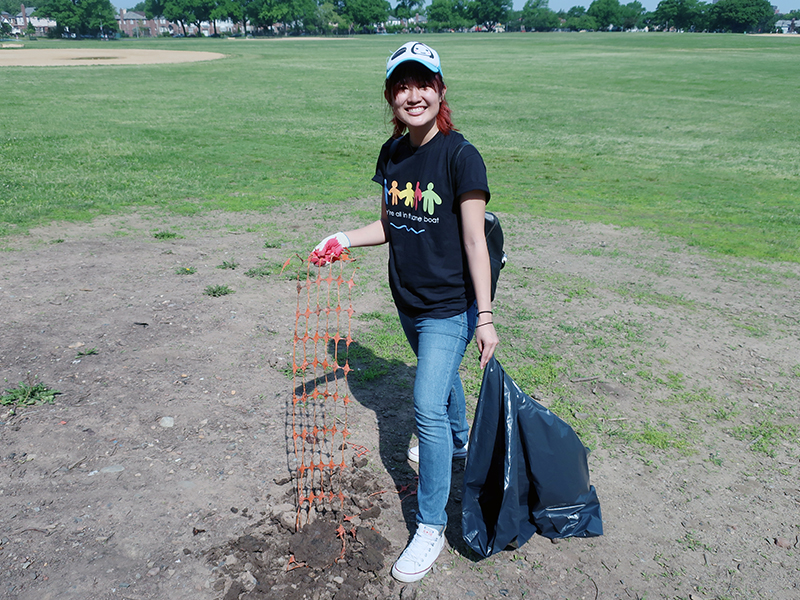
[(494, 233), (494, 241)]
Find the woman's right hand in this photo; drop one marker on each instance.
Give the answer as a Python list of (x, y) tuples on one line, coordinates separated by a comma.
[(339, 236), (329, 249)]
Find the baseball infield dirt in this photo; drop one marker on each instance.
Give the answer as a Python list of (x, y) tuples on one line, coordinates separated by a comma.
[(14, 56)]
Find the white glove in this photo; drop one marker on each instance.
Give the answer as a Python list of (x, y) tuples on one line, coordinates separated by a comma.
[(339, 236)]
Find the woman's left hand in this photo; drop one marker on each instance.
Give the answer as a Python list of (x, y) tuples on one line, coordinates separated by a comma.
[(487, 340)]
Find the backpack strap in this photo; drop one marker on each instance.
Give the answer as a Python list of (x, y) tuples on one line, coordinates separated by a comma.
[(392, 149), (457, 154), (454, 160)]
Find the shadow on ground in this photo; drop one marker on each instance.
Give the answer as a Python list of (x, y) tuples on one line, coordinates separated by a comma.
[(385, 386)]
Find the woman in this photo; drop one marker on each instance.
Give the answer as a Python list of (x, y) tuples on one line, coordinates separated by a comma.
[(432, 216)]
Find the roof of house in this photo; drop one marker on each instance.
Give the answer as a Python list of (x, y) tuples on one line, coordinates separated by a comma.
[(133, 15)]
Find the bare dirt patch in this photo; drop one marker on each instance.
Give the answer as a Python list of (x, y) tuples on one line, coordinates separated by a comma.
[(108, 55), (162, 470)]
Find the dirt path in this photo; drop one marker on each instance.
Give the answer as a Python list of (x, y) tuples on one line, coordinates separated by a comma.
[(162, 469)]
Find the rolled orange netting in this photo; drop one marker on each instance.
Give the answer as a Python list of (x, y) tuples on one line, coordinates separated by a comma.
[(319, 379)]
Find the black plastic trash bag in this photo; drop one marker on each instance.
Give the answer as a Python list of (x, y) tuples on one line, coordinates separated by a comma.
[(526, 472)]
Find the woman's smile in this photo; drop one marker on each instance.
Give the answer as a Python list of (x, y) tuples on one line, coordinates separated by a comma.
[(415, 111)]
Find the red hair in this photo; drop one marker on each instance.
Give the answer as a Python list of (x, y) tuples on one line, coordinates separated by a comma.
[(413, 73)]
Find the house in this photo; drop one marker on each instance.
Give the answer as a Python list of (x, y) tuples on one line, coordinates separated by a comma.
[(8, 18), (786, 26), (41, 25), (136, 24), (416, 22)]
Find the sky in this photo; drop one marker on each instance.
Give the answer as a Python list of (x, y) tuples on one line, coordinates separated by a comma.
[(556, 5)]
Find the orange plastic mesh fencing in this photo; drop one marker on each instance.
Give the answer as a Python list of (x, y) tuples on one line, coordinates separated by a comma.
[(319, 380)]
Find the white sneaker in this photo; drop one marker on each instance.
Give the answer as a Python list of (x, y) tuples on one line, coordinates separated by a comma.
[(458, 453), (419, 556)]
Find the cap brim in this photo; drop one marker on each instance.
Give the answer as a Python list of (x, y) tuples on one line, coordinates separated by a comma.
[(430, 67)]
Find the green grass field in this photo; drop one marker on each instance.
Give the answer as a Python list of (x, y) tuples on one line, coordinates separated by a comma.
[(694, 136)]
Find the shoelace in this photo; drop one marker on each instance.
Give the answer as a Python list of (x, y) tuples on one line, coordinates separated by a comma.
[(420, 546)]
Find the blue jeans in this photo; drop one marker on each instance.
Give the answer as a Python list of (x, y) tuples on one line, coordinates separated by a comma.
[(439, 404)]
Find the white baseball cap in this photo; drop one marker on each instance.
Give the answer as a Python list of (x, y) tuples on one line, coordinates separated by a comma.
[(416, 51)]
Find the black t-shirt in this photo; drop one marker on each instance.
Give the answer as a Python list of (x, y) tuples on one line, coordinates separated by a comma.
[(428, 271)]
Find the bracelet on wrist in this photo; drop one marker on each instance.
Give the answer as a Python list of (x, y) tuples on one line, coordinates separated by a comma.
[(483, 312), (482, 324)]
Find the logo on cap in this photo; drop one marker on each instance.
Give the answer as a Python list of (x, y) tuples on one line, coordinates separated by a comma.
[(421, 50)]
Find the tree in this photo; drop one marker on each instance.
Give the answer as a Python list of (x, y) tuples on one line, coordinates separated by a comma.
[(366, 12), (406, 9), (681, 14), (449, 14), (230, 9), (739, 16), (10, 6), (632, 15), (200, 10), (64, 12), (607, 13), (5, 28), (578, 20), (79, 16), (331, 21), (296, 15), (490, 12), (177, 11), (537, 16), (98, 15)]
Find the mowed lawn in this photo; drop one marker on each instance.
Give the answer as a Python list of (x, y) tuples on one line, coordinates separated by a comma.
[(696, 136)]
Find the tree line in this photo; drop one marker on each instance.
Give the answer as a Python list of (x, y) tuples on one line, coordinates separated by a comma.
[(736, 16), (325, 17)]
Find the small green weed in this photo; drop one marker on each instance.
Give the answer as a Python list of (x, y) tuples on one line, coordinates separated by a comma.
[(271, 244), (568, 328), (215, 291), (232, 264), (266, 269), (662, 437), (702, 395), (725, 414), (692, 543), (165, 235), (651, 436), (57, 241), (765, 436), (752, 329), (597, 342), (87, 352), (600, 251), (185, 271), (674, 381), (28, 394), (642, 295), (582, 418)]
